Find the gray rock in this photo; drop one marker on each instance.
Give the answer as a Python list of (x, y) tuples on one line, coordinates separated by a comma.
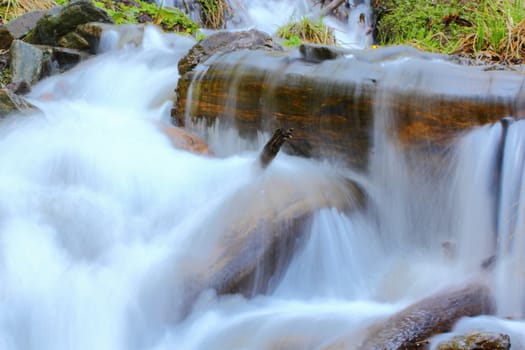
[(477, 341), (18, 27), (52, 27), (26, 62), (226, 42), (23, 24), (11, 103)]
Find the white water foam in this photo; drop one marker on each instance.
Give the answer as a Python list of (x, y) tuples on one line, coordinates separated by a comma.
[(100, 216)]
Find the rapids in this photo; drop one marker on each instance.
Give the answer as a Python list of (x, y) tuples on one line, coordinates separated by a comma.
[(100, 216)]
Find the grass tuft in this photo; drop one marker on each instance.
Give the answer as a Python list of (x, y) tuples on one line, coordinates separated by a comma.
[(306, 30)]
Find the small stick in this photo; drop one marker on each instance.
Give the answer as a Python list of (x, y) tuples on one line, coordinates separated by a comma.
[(272, 147)]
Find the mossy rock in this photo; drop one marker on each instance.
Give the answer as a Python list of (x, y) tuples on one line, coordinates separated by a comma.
[(51, 28)]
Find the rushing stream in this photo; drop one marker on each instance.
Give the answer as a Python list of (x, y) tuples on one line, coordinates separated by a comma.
[(100, 216)]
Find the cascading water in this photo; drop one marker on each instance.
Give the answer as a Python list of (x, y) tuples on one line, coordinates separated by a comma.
[(101, 218), (268, 15)]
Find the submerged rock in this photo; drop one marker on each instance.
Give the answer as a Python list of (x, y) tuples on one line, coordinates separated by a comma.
[(411, 328), (477, 341), (259, 229), (226, 42), (182, 139)]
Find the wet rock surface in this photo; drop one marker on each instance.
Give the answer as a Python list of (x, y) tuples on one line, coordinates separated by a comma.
[(260, 230), (412, 327), (226, 42), (331, 104)]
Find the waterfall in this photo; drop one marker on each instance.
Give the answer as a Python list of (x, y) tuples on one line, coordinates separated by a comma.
[(353, 31), (268, 15), (103, 222)]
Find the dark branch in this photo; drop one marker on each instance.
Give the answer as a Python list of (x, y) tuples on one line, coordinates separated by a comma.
[(273, 146)]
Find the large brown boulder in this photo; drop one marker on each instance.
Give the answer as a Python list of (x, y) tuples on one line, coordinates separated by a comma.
[(333, 105), (226, 42), (258, 230)]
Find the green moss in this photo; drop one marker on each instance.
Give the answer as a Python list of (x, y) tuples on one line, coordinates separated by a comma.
[(306, 30), (472, 27)]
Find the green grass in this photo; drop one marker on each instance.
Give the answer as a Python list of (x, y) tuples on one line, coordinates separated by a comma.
[(476, 28), (306, 30)]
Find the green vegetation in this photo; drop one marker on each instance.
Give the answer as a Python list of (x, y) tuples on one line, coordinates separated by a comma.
[(138, 11), (482, 29), (306, 30), (214, 13)]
